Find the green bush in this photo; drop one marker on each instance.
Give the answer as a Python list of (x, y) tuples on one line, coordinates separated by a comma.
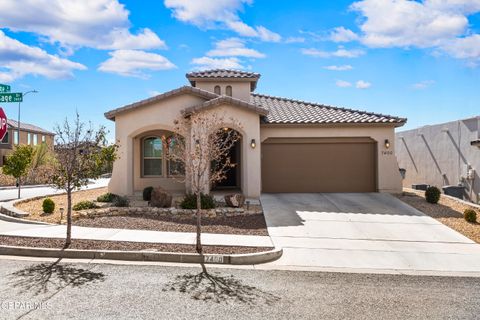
[(48, 205), (190, 201), (470, 215), (147, 193), (432, 195), (107, 197), (121, 202), (84, 205)]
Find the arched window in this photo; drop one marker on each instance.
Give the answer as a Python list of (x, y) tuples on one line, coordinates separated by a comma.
[(152, 156), (217, 90), (228, 91)]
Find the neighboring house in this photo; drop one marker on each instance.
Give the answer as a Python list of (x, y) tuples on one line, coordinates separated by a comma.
[(29, 134), (441, 155), (286, 146)]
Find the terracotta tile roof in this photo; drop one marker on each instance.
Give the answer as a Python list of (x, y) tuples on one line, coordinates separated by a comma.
[(223, 73), (27, 127), (289, 111), (228, 100), (199, 92)]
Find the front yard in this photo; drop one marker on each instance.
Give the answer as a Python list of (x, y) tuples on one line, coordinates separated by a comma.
[(447, 211), (145, 218)]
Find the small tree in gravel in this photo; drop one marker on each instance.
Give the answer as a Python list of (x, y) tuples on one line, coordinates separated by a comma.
[(18, 163), (78, 158), (199, 150)]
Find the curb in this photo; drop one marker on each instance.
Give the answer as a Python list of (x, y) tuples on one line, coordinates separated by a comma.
[(234, 259)]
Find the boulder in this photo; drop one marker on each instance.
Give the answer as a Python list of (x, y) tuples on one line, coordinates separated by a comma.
[(235, 200), (160, 198)]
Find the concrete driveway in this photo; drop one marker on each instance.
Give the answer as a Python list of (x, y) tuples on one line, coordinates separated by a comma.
[(371, 232)]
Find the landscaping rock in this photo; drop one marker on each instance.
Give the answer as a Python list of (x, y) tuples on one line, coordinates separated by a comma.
[(235, 200), (160, 198)]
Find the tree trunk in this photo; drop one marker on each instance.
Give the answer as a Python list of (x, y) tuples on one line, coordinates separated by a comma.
[(18, 181), (199, 223), (68, 241)]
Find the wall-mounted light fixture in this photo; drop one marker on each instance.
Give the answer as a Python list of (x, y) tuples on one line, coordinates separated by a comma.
[(253, 144), (387, 143)]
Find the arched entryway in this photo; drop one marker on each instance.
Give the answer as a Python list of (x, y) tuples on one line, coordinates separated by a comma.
[(233, 179)]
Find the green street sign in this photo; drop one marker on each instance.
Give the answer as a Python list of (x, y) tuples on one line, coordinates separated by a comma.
[(11, 97), (4, 88)]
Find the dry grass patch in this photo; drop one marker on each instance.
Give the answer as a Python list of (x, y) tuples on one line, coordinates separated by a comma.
[(34, 207), (447, 211)]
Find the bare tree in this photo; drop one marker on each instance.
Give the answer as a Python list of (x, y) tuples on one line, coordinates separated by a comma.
[(200, 150), (78, 158)]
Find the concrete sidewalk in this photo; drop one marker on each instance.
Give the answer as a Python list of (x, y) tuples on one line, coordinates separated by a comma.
[(59, 231)]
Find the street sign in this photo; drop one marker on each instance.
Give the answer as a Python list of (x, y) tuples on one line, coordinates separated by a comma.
[(4, 88), (3, 124), (11, 97)]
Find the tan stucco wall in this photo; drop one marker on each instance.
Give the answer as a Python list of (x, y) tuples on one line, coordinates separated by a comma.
[(388, 176), (131, 126), (240, 90)]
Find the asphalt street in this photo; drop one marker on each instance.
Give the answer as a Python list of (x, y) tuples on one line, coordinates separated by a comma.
[(44, 290)]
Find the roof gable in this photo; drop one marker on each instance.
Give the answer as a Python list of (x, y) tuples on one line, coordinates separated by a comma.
[(226, 100), (176, 92), (224, 74)]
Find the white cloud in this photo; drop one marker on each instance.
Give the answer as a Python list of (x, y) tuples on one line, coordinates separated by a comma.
[(423, 84), (344, 67), (154, 93), (437, 24), (100, 24), (219, 14), (133, 63), (360, 84), (295, 40), (340, 34), (18, 59), (204, 63), (233, 47), (340, 53), (343, 84)]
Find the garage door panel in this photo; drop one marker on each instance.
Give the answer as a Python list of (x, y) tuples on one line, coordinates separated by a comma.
[(318, 167)]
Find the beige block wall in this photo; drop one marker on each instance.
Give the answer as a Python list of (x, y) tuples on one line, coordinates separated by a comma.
[(240, 90), (388, 176)]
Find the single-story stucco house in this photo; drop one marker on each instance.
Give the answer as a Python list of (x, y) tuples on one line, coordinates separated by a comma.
[(287, 145)]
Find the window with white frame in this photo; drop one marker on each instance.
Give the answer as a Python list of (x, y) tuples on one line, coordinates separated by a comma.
[(35, 139), (43, 139), (15, 137), (152, 156), (29, 138)]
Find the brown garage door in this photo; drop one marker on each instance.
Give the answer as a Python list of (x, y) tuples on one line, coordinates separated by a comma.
[(319, 165)]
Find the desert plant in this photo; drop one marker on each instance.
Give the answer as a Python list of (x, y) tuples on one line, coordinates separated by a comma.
[(48, 205), (84, 205), (470, 215), (107, 197), (432, 195), (190, 201), (147, 193), (119, 201)]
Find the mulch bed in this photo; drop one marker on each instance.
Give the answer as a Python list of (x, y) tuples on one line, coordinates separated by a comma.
[(248, 225), (123, 245), (447, 211)]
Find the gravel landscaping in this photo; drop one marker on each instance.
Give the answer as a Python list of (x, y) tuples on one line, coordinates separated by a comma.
[(34, 207), (123, 245), (447, 211), (249, 224)]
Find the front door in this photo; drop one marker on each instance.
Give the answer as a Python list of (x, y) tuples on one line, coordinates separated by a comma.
[(233, 174)]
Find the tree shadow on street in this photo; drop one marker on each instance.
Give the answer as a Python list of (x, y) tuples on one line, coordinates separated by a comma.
[(206, 286), (41, 278)]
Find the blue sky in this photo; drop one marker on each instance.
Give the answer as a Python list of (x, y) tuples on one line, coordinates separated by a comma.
[(416, 59)]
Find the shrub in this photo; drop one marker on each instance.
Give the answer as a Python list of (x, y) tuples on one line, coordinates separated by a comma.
[(48, 205), (432, 195), (190, 201), (147, 193), (107, 197), (470, 215), (84, 205), (121, 202)]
